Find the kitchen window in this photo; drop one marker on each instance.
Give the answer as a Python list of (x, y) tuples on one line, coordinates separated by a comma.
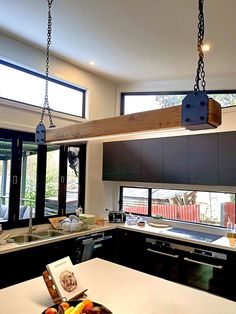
[(203, 207), (132, 102), (36, 176), (28, 87)]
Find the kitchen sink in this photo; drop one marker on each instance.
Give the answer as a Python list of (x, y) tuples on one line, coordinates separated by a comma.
[(48, 233), (24, 238)]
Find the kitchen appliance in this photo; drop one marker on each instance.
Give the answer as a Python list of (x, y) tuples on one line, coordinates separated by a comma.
[(192, 265), (116, 217), (94, 245)]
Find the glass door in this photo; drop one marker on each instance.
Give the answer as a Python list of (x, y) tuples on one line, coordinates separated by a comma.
[(5, 170), (28, 180)]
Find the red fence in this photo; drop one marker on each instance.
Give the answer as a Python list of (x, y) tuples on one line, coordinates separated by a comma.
[(228, 211), (180, 212)]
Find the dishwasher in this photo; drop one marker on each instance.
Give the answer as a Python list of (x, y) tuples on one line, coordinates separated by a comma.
[(93, 245)]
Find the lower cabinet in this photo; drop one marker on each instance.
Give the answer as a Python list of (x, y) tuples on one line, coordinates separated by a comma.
[(28, 263), (130, 249)]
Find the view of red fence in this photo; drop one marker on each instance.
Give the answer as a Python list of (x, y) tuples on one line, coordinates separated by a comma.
[(179, 212), (228, 212)]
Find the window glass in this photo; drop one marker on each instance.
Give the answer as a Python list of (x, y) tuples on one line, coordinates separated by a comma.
[(135, 200), (73, 173), (28, 180), (211, 208), (5, 170), (28, 88), (140, 103), (52, 179)]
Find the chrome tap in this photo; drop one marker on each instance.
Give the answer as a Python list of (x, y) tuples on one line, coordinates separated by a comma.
[(30, 220)]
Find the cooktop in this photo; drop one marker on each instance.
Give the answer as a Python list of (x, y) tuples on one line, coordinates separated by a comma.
[(196, 235)]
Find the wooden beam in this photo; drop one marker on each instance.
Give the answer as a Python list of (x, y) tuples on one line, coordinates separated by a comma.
[(153, 120)]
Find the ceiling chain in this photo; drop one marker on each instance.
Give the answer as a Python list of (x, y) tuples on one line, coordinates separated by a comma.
[(200, 76), (49, 35)]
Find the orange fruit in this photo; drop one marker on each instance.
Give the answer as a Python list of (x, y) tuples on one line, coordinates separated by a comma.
[(88, 305), (64, 305)]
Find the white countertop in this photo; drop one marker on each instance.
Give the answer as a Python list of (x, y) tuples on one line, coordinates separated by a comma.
[(122, 290), (222, 242)]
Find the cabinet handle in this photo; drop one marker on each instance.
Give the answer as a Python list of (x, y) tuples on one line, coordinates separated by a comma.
[(202, 263), (163, 253)]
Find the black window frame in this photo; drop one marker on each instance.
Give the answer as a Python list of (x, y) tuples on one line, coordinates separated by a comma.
[(18, 138), (51, 79), (163, 93), (165, 188)]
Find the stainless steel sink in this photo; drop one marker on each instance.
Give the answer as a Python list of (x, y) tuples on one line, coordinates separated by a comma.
[(48, 233), (24, 238)]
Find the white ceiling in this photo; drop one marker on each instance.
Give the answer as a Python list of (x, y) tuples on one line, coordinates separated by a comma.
[(130, 40)]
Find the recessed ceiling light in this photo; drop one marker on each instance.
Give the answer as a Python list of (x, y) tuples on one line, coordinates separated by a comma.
[(92, 63), (206, 47)]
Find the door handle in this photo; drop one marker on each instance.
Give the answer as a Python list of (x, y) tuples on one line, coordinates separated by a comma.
[(202, 263), (163, 253), (14, 179)]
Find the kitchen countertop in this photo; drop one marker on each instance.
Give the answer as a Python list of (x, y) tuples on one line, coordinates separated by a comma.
[(221, 243), (122, 290)]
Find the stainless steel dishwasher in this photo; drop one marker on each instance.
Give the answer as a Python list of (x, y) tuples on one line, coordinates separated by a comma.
[(92, 245)]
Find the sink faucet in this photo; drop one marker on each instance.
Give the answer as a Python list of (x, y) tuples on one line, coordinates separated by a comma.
[(30, 220)]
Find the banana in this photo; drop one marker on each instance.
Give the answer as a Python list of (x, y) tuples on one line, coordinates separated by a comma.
[(78, 309)]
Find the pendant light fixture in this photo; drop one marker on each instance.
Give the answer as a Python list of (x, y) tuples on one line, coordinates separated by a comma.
[(197, 112), (196, 105), (40, 129)]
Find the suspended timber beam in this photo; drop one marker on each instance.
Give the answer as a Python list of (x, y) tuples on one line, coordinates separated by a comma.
[(154, 120)]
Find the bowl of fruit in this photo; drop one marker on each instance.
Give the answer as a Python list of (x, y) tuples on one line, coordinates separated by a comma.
[(84, 306)]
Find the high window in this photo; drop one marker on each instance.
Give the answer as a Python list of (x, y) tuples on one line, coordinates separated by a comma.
[(137, 102), (203, 207), (45, 178), (28, 87)]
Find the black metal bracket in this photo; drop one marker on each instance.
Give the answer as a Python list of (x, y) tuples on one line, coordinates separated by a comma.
[(195, 111), (40, 134)]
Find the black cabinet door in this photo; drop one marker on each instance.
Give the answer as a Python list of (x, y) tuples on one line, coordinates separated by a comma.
[(121, 161), (175, 159), (227, 158), (152, 160), (203, 159), (130, 161), (130, 249), (111, 161)]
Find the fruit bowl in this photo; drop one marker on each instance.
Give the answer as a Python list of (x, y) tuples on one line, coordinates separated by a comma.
[(58, 309)]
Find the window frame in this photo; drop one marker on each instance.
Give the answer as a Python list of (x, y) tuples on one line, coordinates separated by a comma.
[(51, 79), (166, 93), (167, 188), (17, 139)]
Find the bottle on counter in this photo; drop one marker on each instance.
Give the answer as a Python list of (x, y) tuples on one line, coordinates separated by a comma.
[(229, 225), (231, 232)]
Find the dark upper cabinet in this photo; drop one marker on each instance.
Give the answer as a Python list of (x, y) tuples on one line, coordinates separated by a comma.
[(121, 161), (227, 158), (130, 161), (152, 160), (175, 159), (203, 159), (111, 160)]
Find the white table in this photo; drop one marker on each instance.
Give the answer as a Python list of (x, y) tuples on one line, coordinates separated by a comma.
[(122, 290)]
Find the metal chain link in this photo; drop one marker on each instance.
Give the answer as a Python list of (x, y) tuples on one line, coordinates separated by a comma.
[(200, 76), (49, 35)]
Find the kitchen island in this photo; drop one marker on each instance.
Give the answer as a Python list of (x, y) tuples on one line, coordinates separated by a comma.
[(122, 290)]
